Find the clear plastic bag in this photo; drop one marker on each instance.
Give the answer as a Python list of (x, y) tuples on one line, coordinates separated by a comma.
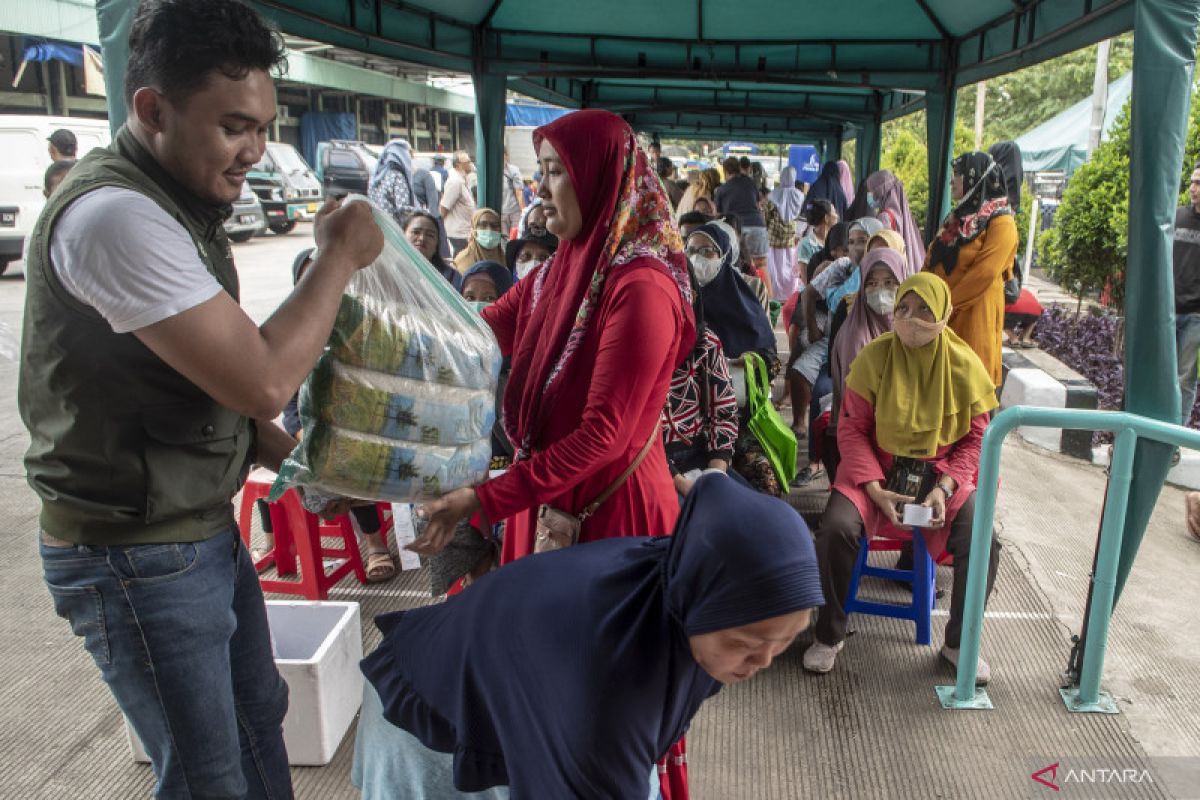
[(401, 404)]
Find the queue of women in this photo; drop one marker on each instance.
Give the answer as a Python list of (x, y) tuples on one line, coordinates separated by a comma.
[(620, 424)]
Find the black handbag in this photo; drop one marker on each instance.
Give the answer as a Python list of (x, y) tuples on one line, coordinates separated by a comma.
[(1012, 286), (910, 477)]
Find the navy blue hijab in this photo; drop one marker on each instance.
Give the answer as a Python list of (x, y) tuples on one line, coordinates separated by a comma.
[(569, 674), (828, 186), (501, 275), (731, 310)]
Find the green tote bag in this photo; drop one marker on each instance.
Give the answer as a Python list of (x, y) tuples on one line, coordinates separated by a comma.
[(777, 439)]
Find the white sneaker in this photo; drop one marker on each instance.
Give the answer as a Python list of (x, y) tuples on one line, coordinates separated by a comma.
[(819, 657), (983, 673)]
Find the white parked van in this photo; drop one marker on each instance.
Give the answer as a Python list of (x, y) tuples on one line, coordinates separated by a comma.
[(24, 156)]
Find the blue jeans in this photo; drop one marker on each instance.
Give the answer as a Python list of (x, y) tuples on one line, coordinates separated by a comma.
[(1187, 346), (179, 632), (821, 387)]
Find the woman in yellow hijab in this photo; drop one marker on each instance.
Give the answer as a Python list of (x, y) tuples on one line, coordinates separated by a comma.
[(913, 413)]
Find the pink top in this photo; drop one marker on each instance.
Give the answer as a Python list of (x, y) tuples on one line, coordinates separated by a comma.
[(862, 462)]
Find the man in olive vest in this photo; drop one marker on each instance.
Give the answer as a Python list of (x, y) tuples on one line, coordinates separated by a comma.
[(148, 393)]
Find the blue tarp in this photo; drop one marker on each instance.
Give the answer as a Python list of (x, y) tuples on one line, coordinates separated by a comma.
[(523, 115), (43, 50), (1060, 143), (321, 126), (807, 162)]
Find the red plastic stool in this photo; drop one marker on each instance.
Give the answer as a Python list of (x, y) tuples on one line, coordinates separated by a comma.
[(299, 542)]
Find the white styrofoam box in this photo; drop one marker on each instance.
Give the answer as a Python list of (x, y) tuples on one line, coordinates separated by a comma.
[(317, 648), (1033, 387)]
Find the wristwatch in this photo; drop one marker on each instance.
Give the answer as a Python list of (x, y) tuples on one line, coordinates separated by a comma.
[(946, 490)]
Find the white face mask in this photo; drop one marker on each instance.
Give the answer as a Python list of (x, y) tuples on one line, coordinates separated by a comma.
[(881, 301), (706, 269), (526, 267)]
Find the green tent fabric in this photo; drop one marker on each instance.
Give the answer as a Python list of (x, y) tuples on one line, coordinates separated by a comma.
[(1060, 144)]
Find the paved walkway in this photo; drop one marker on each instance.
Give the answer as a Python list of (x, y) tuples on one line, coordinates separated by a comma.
[(871, 729)]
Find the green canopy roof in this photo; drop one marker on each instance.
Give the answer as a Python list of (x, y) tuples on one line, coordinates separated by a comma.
[(761, 69), (1060, 143)]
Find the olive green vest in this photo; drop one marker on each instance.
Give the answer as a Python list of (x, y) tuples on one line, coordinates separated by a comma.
[(125, 450)]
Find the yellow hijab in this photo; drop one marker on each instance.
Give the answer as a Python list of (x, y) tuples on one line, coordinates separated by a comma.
[(473, 253), (924, 398), (891, 239)]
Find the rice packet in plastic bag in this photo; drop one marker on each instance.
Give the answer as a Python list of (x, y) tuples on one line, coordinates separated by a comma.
[(401, 403)]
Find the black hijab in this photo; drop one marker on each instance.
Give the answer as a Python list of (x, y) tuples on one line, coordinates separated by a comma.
[(1008, 158), (730, 307), (577, 688), (828, 186), (983, 181)]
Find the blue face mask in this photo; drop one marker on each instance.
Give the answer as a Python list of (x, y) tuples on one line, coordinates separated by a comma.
[(872, 202), (478, 305)]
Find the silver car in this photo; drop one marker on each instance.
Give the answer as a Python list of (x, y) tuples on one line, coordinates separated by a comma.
[(247, 218)]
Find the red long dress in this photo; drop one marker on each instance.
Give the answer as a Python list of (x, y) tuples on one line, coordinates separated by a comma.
[(603, 418)]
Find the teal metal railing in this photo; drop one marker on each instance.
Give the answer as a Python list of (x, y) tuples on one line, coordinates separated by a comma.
[(1129, 428)]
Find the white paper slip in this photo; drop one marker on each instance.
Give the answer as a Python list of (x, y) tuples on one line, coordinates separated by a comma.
[(405, 533), (917, 515)]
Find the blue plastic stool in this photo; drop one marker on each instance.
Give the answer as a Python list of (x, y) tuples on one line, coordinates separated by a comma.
[(922, 576)]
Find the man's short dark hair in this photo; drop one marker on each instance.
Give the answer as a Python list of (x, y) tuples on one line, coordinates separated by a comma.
[(666, 167), (64, 142), (731, 166), (744, 162), (57, 170), (694, 218), (176, 45)]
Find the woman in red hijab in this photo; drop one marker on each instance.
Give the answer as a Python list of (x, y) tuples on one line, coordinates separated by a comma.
[(594, 335)]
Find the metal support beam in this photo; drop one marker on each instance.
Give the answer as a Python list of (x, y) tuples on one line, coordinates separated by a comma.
[(115, 18), (939, 123), (490, 93)]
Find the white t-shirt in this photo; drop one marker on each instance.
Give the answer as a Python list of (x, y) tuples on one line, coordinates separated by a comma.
[(117, 251)]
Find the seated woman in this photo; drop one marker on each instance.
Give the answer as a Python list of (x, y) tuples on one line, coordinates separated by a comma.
[(868, 318), (808, 345), (916, 400), (734, 314), (700, 420), (485, 243), (621, 643)]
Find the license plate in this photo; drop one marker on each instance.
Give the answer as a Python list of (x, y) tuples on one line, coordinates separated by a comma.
[(8, 219), (246, 219), (312, 208)]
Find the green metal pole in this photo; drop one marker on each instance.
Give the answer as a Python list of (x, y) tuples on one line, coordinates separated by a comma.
[(1164, 47), (1129, 428), (115, 18), (940, 105), (490, 91), (1104, 581)]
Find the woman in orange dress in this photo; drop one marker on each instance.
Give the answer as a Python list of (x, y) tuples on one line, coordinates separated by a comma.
[(974, 253)]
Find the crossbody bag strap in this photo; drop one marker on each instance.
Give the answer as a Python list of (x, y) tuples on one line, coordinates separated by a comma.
[(611, 490)]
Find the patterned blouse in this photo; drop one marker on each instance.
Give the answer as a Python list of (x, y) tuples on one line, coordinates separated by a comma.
[(683, 418), (780, 235), (394, 195)]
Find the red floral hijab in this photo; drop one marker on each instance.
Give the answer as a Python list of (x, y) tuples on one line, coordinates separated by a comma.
[(626, 219)]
